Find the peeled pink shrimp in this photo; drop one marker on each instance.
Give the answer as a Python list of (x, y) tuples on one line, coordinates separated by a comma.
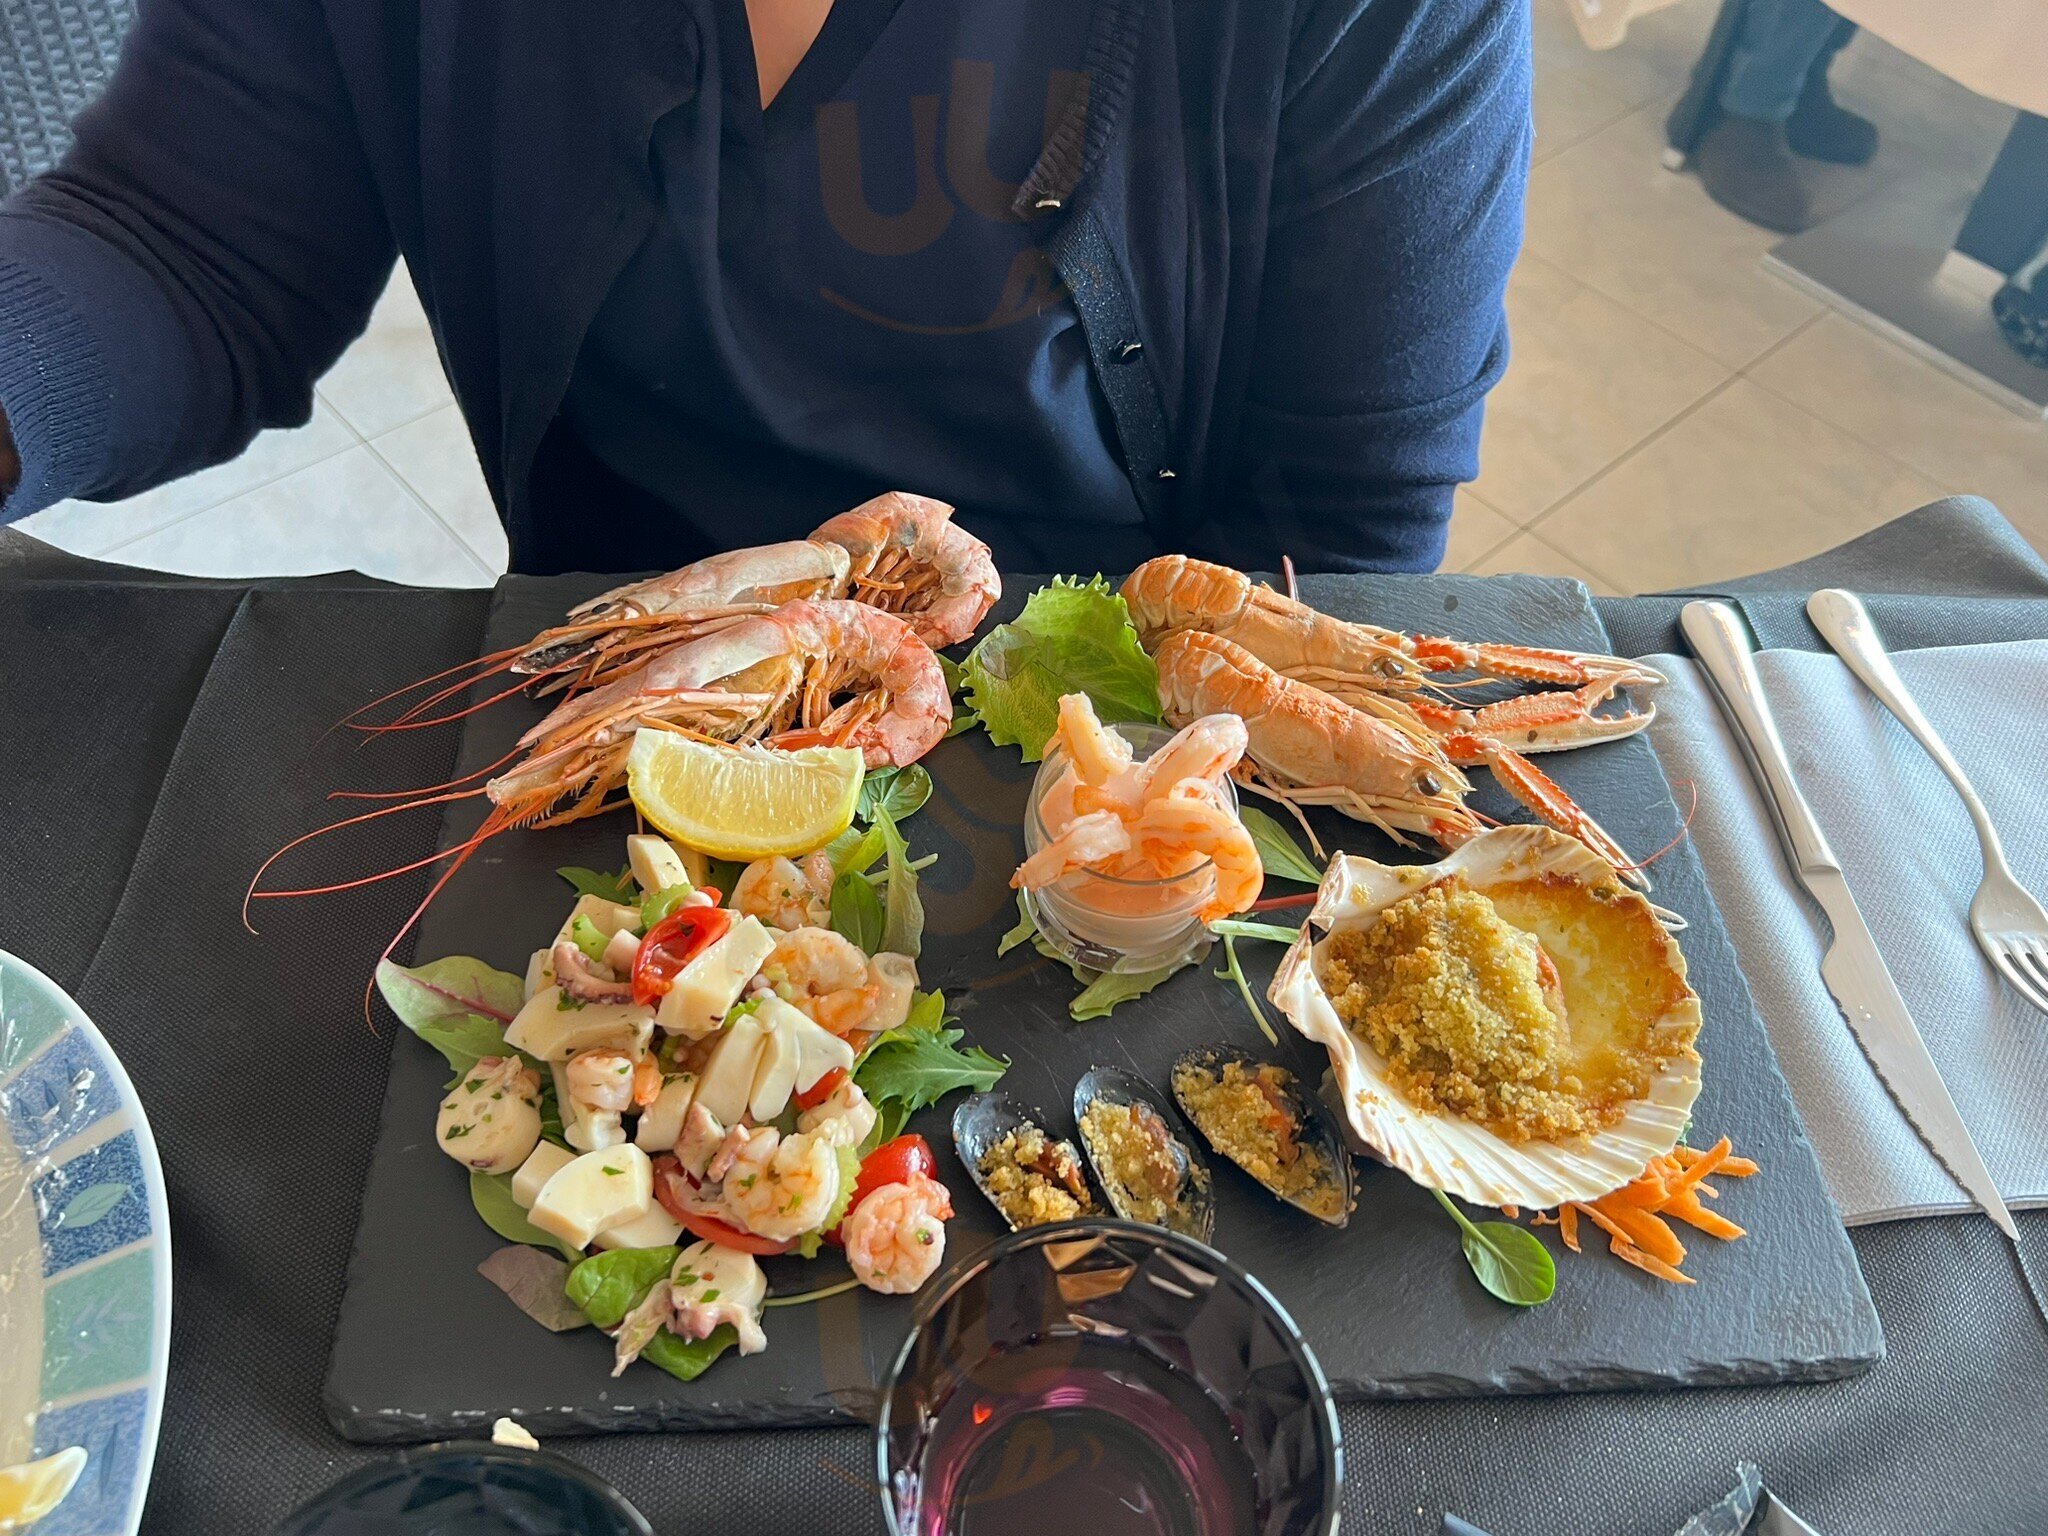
[(1097, 752), (1206, 748), (896, 1238), (1090, 839), (1188, 819)]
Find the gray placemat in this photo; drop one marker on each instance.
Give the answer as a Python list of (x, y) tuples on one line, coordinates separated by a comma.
[(1911, 857), (55, 57)]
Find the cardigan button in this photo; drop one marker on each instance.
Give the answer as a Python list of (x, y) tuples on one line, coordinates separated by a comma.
[(1167, 474), (1045, 203), (1130, 351)]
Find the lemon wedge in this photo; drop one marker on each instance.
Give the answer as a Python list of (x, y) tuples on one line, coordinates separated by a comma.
[(743, 803), (30, 1491)]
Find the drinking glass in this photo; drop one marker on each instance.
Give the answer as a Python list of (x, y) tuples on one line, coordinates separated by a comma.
[(1109, 1378), (469, 1488)]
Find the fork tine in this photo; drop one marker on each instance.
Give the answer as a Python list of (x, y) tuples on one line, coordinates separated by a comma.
[(2035, 962), (2021, 982)]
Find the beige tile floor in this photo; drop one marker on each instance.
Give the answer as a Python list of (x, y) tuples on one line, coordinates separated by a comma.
[(1673, 412)]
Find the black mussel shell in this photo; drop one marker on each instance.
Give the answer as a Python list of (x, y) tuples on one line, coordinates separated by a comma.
[(1317, 1131), (1193, 1214), (982, 1121)]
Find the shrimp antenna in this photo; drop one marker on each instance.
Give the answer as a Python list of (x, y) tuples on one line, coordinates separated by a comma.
[(482, 666), (306, 837)]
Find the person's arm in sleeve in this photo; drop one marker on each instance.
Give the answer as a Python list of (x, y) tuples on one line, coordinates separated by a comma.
[(1397, 214), (203, 253)]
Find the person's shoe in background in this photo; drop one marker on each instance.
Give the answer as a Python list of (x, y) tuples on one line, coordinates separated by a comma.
[(1820, 128), (2022, 316), (1749, 169)]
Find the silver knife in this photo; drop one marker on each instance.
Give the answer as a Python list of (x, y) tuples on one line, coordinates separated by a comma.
[(1852, 968)]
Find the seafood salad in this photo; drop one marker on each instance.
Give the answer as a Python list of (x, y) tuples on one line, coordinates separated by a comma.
[(692, 1083)]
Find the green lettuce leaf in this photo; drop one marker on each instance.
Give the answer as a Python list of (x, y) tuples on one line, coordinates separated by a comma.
[(1100, 996), (491, 1194), (921, 1066), (1072, 637), (620, 888)]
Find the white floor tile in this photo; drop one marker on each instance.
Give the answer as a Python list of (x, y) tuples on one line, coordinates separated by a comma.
[(1476, 530), (1609, 214), (90, 528), (1587, 380), (349, 512), (435, 456), (1880, 393), (1744, 482), (391, 374)]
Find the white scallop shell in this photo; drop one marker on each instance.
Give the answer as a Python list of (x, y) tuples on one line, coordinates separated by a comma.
[(1444, 1151)]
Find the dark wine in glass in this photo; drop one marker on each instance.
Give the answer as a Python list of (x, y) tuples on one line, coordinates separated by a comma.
[(1110, 1380)]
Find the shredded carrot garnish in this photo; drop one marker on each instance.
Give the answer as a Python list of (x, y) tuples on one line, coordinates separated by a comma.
[(1628, 1253), (1512, 1212), (1634, 1217)]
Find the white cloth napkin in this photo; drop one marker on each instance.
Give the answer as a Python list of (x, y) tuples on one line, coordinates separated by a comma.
[(1911, 858)]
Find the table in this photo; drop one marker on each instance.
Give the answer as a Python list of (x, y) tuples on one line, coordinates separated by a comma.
[(160, 735)]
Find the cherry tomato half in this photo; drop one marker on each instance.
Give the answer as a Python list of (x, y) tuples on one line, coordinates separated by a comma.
[(822, 1089), (670, 1189), (672, 944), (893, 1162)]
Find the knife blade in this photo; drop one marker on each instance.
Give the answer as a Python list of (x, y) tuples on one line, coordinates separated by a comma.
[(1852, 968)]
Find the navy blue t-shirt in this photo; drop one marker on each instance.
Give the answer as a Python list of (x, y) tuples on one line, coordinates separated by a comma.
[(840, 300)]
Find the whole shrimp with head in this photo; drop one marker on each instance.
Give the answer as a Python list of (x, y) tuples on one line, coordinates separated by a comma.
[(909, 557), (811, 673), (1145, 821)]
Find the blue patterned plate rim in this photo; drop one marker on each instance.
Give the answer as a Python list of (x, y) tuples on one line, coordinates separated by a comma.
[(118, 1418)]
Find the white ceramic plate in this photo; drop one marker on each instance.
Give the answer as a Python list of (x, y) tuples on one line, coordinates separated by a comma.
[(85, 1258)]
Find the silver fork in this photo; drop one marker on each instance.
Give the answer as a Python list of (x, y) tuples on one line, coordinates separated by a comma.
[(2011, 927)]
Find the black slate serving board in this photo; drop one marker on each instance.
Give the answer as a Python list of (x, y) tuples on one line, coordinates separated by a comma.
[(426, 1347)]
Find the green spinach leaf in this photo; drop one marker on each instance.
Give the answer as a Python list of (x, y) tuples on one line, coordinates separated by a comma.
[(609, 1285), (687, 1359), (1510, 1261), (1283, 857), (458, 1005), (491, 1194), (857, 912), (903, 913), (901, 792)]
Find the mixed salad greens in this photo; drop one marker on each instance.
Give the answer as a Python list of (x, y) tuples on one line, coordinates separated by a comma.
[(686, 1082)]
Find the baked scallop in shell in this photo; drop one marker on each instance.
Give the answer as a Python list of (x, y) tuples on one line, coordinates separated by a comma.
[(1567, 1062)]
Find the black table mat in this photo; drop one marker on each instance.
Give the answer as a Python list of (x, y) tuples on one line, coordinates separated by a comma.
[(1947, 1435), (416, 1353)]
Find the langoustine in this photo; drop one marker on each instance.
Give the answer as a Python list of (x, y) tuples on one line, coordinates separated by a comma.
[(1399, 680)]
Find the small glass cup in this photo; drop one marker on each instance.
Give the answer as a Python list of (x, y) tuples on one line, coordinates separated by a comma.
[(469, 1488), (1109, 924), (1109, 1378)]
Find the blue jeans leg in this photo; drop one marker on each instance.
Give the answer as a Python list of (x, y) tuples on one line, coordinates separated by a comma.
[(1777, 47)]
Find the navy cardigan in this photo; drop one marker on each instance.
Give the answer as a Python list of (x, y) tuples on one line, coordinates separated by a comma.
[(1288, 225)]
